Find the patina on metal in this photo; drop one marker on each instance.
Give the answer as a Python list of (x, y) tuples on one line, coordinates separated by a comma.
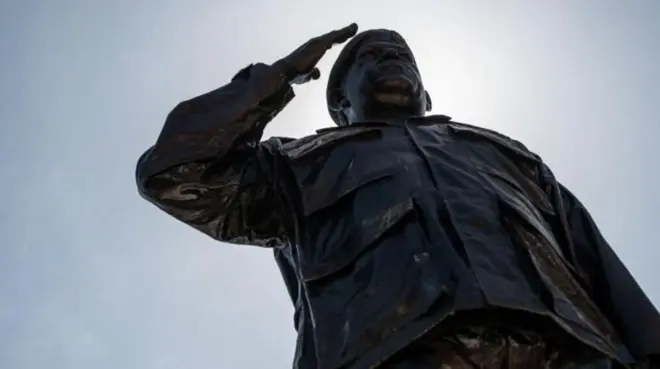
[(406, 240)]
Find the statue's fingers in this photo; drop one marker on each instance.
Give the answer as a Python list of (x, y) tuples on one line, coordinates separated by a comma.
[(341, 35)]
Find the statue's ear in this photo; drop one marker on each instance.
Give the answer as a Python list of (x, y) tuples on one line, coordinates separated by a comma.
[(429, 103), (336, 100), (339, 107)]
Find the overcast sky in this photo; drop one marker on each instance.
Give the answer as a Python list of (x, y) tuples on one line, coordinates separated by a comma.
[(92, 276)]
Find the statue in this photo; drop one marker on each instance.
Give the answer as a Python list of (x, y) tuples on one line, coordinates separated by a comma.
[(406, 240)]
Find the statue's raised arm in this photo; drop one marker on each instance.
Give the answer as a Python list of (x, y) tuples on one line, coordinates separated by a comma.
[(207, 167)]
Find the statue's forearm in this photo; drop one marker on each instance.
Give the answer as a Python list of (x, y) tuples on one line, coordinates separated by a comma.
[(211, 125), (204, 168)]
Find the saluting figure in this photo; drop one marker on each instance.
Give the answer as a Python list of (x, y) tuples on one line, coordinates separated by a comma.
[(406, 240)]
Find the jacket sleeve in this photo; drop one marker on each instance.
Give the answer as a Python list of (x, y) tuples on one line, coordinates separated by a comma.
[(208, 168), (613, 288)]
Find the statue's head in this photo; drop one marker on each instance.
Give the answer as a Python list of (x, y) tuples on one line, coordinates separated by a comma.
[(375, 77)]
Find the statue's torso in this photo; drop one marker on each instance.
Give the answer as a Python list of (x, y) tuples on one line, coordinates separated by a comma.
[(400, 226)]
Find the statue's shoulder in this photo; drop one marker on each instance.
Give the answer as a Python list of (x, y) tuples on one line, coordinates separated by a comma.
[(495, 137), (469, 129), (296, 148)]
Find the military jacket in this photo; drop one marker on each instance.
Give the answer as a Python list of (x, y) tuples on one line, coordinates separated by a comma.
[(382, 230)]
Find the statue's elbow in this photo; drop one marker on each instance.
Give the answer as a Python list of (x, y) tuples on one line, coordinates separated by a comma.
[(142, 178)]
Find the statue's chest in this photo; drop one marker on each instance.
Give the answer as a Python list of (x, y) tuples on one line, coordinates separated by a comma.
[(352, 186), (367, 165)]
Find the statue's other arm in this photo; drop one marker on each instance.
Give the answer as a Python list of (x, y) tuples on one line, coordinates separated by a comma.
[(612, 287), (615, 290), (205, 166)]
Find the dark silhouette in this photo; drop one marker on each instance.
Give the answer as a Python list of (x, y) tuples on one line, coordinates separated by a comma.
[(406, 241)]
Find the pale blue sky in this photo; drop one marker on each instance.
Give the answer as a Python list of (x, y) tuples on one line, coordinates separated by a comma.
[(92, 276)]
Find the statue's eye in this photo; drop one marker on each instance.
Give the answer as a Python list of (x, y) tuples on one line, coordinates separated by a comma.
[(369, 54)]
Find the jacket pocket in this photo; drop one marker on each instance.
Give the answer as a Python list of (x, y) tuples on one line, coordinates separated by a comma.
[(331, 166), (529, 192), (533, 208), (350, 193)]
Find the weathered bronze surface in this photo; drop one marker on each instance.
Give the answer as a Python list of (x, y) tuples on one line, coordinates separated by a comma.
[(406, 240)]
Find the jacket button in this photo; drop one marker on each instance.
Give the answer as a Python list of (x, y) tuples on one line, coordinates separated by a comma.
[(421, 257)]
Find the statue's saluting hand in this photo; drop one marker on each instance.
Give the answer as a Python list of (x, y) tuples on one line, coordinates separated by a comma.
[(300, 66)]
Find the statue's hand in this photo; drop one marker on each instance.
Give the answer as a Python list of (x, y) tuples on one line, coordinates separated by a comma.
[(300, 66)]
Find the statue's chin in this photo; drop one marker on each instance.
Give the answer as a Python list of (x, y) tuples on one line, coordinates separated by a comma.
[(394, 89)]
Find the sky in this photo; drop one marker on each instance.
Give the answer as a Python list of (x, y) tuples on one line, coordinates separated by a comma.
[(92, 276)]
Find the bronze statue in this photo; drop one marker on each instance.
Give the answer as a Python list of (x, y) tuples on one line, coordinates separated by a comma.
[(406, 241)]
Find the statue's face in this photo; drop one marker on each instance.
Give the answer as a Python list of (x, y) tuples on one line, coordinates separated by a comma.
[(383, 81)]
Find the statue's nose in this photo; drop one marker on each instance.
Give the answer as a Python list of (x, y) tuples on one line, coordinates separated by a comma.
[(389, 53)]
